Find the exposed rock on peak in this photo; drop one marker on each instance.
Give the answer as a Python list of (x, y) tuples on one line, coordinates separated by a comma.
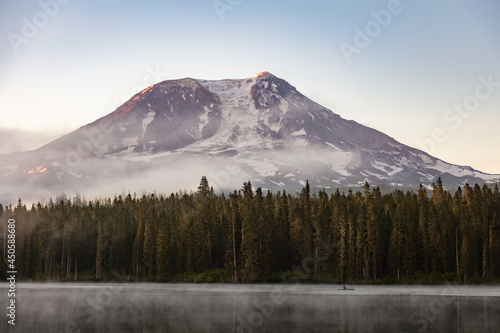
[(259, 128)]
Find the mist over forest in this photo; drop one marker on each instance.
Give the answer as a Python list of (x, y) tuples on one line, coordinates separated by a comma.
[(252, 235)]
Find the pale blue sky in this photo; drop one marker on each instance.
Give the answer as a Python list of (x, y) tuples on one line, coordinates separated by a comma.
[(90, 55)]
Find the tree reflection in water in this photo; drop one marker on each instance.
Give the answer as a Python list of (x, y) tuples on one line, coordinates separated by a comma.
[(247, 308)]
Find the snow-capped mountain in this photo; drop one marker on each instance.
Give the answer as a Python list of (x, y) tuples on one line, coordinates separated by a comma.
[(260, 129)]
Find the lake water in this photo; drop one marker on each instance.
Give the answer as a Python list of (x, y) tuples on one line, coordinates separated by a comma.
[(81, 307)]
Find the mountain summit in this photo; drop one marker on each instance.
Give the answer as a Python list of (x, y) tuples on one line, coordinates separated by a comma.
[(260, 128)]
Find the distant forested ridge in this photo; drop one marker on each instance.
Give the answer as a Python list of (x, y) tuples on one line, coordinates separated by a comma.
[(252, 235)]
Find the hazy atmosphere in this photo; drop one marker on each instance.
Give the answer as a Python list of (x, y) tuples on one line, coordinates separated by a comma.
[(249, 166), (402, 67), (262, 308)]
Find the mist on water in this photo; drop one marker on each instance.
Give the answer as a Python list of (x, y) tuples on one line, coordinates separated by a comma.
[(117, 307)]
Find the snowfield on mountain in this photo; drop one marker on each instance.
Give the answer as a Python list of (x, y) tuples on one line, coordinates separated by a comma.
[(260, 128)]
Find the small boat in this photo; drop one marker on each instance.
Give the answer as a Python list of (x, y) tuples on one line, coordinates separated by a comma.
[(345, 288)]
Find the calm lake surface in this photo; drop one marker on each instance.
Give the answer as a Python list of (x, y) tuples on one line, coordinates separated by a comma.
[(87, 307)]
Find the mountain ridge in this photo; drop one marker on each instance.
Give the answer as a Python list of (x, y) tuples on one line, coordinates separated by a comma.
[(260, 126)]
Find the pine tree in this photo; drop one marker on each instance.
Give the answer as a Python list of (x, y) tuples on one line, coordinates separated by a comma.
[(37, 252), (138, 248), (423, 229), (163, 248), (321, 218), (373, 235), (202, 229), (280, 245), (149, 251), (301, 229), (397, 240), (340, 220), (249, 239), (101, 248), (374, 231), (494, 247), (233, 252), (362, 264), (264, 220)]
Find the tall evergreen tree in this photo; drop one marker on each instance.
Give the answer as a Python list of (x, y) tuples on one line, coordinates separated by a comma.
[(164, 250), (249, 231), (233, 252)]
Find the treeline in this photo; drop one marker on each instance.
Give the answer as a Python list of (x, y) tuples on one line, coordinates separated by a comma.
[(250, 235)]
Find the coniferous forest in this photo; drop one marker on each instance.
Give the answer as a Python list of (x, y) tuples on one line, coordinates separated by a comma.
[(251, 235)]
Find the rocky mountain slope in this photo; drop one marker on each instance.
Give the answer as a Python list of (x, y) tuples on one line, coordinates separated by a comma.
[(260, 129)]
